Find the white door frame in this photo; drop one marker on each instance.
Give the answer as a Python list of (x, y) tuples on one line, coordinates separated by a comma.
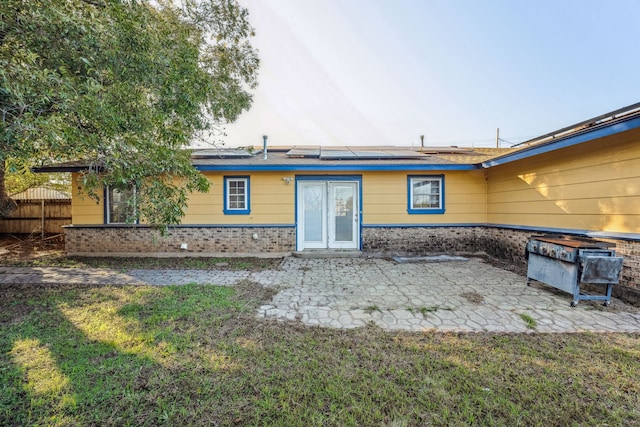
[(326, 238)]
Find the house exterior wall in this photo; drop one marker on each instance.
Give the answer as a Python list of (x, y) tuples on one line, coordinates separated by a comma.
[(84, 209), (492, 212), (385, 198), (272, 200), (594, 186)]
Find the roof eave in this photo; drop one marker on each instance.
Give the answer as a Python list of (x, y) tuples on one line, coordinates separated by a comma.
[(295, 167), (608, 129), (54, 168), (337, 168)]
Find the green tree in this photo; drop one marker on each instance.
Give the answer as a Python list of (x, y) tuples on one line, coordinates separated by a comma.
[(124, 85), (24, 179)]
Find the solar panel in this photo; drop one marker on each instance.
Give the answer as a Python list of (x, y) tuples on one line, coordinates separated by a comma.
[(445, 150), (355, 153), (231, 153), (337, 154), (406, 154), (307, 152), (373, 155)]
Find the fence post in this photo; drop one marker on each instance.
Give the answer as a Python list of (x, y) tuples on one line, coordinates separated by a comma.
[(42, 224)]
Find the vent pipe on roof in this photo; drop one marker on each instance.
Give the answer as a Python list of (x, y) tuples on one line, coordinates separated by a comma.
[(422, 141), (264, 146)]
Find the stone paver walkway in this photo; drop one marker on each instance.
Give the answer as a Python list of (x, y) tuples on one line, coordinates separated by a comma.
[(463, 296), (57, 275)]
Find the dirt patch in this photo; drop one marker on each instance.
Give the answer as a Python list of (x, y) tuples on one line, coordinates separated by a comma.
[(16, 248), (473, 297)]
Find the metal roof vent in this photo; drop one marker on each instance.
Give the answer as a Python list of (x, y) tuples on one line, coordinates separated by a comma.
[(264, 146)]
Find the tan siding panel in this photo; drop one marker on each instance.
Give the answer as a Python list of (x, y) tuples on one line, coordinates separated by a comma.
[(601, 190), (593, 206), (448, 218), (385, 198), (401, 208), (265, 219), (595, 186), (580, 222), (271, 201), (85, 210)]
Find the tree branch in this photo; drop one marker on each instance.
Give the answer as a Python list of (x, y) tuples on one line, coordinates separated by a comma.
[(94, 3)]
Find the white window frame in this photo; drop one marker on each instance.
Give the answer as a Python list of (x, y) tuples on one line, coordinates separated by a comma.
[(411, 180), (228, 193)]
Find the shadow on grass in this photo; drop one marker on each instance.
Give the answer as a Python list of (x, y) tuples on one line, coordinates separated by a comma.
[(64, 352)]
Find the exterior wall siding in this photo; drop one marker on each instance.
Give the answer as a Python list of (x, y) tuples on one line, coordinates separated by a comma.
[(385, 198), (594, 187), (271, 202), (384, 201), (84, 209)]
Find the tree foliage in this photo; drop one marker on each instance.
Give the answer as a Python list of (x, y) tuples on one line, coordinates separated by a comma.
[(24, 180), (124, 85)]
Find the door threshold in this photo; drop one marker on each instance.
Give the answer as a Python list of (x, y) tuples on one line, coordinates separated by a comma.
[(328, 253)]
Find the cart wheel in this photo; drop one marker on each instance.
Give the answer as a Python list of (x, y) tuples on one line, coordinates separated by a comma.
[(574, 303), (606, 303)]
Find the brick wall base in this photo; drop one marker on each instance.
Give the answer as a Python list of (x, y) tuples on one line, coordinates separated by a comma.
[(421, 240), (200, 241)]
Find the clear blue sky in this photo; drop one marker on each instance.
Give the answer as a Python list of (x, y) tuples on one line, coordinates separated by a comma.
[(383, 72)]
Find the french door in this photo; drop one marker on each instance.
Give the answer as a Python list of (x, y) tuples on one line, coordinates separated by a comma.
[(328, 214)]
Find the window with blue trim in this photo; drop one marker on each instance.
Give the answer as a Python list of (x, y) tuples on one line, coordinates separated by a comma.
[(426, 194), (236, 195)]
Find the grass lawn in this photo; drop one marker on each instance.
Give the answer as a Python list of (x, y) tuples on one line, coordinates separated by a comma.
[(195, 355), (123, 264)]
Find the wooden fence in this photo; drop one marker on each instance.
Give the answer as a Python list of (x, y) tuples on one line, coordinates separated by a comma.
[(38, 216)]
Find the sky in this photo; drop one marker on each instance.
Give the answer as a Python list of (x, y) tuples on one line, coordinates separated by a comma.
[(384, 72)]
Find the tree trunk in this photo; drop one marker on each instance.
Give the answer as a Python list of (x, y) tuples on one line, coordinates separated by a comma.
[(6, 204)]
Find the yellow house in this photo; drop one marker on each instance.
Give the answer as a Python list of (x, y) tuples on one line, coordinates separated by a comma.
[(583, 179), (299, 198)]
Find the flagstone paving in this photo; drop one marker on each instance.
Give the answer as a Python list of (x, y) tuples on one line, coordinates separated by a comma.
[(460, 296)]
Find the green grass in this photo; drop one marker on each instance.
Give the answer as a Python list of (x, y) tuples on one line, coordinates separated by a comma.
[(195, 355), (371, 308), (529, 321), (124, 264)]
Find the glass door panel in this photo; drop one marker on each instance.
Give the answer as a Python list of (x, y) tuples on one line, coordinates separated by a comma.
[(343, 215), (314, 203)]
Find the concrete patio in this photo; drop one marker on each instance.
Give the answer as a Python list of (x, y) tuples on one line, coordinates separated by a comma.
[(460, 296)]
